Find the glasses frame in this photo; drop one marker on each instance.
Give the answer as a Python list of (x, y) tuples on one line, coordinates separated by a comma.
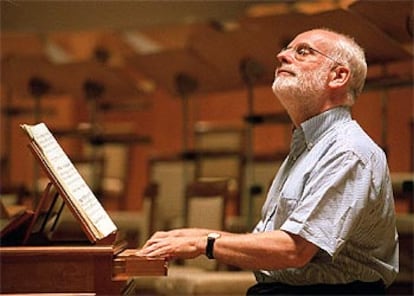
[(300, 57)]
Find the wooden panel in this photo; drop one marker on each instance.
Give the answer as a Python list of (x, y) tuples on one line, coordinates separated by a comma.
[(56, 269), (70, 269)]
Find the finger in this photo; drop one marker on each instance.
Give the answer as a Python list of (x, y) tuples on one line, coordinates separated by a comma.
[(146, 250), (151, 242), (157, 252), (147, 244), (153, 245)]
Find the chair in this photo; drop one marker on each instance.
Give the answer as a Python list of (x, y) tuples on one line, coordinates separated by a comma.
[(219, 144), (172, 173), (209, 135), (206, 202), (136, 227), (117, 154), (265, 168), (92, 171), (115, 171), (220, 153)]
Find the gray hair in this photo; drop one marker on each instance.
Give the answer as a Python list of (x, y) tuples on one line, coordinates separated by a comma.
[(352, 55)]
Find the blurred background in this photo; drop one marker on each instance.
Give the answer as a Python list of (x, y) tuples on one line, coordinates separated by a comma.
[(166, 92)]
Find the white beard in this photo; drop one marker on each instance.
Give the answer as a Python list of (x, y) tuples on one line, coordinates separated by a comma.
[(302, 91)]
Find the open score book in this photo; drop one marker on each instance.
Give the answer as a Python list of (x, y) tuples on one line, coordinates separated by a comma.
[(77, 193)]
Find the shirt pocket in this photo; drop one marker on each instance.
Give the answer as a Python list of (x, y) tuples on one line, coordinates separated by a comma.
[(285, 207), (290, 195)]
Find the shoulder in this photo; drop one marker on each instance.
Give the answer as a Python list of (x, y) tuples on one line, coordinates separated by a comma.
[(350, 137), (352, 141)]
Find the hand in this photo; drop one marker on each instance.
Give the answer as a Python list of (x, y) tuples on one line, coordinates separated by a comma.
[(183, 232), (172, 247)]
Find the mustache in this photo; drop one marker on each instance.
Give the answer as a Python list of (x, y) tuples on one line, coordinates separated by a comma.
[(288, 69)]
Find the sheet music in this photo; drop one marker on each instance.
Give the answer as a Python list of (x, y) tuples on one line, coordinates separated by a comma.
[(71, 180)]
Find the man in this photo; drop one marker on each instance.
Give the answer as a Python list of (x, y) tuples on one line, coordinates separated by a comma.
[(328, 224)]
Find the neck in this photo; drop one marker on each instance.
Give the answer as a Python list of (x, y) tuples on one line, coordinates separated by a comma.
[(300, 115)]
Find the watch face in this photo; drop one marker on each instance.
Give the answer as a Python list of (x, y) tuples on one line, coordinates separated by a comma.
[(214, 235)]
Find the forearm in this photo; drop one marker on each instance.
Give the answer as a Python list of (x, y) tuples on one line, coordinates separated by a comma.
[(269, 250)]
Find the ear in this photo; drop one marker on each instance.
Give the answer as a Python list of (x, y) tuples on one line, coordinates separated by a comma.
[(339, 77)]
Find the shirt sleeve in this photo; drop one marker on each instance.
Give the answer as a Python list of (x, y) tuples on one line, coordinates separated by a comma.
[(333, 199)]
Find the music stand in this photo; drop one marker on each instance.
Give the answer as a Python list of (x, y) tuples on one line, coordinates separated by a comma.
[(162, 67)]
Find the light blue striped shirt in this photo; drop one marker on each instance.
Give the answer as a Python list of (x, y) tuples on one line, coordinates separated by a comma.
[(336, 193)]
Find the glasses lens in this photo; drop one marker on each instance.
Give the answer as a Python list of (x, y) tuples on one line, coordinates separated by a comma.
[(302, 51)]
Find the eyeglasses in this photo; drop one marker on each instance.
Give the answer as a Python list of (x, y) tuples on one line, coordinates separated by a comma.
[(302, 51)]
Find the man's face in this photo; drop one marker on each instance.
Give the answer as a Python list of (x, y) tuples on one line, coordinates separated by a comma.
[(302, 76)]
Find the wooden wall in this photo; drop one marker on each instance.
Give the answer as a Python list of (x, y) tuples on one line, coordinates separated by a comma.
[(378, 111), (386, 115)]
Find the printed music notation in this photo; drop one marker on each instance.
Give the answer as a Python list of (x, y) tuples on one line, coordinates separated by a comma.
[(79, 193)]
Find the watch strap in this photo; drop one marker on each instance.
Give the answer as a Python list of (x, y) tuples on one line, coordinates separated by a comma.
[(210, 247)]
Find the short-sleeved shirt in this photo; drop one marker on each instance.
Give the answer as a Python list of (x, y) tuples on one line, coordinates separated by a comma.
[(334, 190)]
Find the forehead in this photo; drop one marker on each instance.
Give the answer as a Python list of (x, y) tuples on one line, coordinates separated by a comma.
[(320, 38)]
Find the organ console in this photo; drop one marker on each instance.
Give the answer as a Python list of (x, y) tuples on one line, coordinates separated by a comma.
[(32, 261)]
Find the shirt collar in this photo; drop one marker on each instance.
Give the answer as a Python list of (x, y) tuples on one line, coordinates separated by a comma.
[(318, 125)]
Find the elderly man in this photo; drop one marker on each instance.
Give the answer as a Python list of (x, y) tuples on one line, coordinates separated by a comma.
[(328, 223)]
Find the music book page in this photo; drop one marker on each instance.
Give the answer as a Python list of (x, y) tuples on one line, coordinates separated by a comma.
[(79, 193)]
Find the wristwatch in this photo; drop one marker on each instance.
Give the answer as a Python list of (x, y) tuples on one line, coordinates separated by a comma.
[(211, 239)]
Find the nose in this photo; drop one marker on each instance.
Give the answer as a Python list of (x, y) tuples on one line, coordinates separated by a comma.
[(283, 57)]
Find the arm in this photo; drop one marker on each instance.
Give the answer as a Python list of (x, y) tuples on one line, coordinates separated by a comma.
[(269, 250)]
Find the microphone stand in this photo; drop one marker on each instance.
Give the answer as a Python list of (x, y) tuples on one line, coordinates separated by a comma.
[(185, 85), (93, 92), (250, 71)]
